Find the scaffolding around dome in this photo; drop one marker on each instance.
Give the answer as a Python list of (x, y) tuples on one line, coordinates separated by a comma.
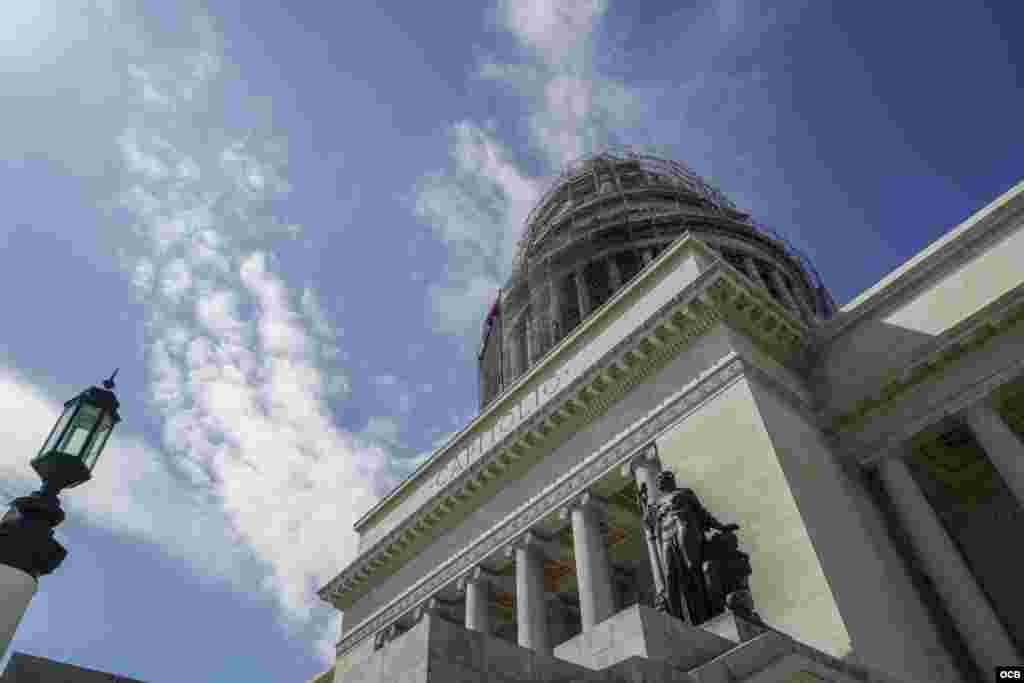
[(603, 220), (542, 218), (653, 168)]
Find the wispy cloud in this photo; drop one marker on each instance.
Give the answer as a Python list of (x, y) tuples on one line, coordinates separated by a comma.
[(242, 367), (145, 499), (477, 211), (569, 100), (478, 207)]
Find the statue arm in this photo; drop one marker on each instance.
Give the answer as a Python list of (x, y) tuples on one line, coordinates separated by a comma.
[(711, 523)]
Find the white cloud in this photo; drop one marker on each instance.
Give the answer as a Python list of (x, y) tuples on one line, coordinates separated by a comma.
[(572, 105), (477, 212), (316, 315), (146, 162), (557, 31), (133, 491), (459, 306), (143, 276), (241, 366), (176, 280)]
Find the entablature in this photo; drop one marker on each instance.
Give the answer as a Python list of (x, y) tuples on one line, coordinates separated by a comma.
[(952, 372)]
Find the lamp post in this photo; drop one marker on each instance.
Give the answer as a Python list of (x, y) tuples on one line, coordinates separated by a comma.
[(28, 549)]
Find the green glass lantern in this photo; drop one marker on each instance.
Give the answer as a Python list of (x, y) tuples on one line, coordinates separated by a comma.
[(74, 445)]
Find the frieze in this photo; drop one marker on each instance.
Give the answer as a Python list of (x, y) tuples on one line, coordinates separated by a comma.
[(611, 455)]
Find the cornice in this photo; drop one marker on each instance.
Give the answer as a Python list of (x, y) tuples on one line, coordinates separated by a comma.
[(948, 252), (932, 360), (716, 294), (613, 454)]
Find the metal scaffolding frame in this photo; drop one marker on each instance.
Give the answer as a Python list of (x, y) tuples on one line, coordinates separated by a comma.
[(619, 205)]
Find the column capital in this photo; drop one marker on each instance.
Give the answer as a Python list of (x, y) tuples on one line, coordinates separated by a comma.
[(645, 457), (434, 606), (430, 606), (532, 541), (478, 575), (585, 501)]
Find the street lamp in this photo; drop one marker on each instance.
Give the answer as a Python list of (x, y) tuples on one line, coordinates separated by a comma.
[(28, 549), (76, 441)]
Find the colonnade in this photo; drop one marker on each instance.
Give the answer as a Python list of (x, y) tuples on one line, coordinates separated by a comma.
[(587, 514), (965, 600), (977, 622), (524, 341)]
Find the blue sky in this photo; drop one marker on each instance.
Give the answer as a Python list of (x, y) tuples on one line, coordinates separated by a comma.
[(285, 223)]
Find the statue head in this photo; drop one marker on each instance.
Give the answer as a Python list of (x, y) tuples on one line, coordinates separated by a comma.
[(666, 481)]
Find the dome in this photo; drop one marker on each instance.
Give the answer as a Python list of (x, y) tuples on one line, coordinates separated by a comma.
[(602, 221)]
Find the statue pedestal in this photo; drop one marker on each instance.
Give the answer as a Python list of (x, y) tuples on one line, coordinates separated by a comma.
[(640, 631), (732, 627)]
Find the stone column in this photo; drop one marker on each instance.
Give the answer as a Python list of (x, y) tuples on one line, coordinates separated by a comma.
[(644, 468), (593, 569), (583, 292), (978, 624), (532, 345), (510, 354), (753, 272), (780, 283), (477, 587), (614, 274), (1001, 445), (556, 311), (534, 632), (540, 314), (801, 304)]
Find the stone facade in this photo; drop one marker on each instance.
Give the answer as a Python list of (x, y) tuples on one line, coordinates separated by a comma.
[(866, 456), (637, 646)]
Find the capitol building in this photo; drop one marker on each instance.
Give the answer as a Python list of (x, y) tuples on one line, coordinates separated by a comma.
[(690, 465)]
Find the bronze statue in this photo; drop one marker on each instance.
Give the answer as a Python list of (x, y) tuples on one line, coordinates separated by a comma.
[(693, 575), (727, 571)]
